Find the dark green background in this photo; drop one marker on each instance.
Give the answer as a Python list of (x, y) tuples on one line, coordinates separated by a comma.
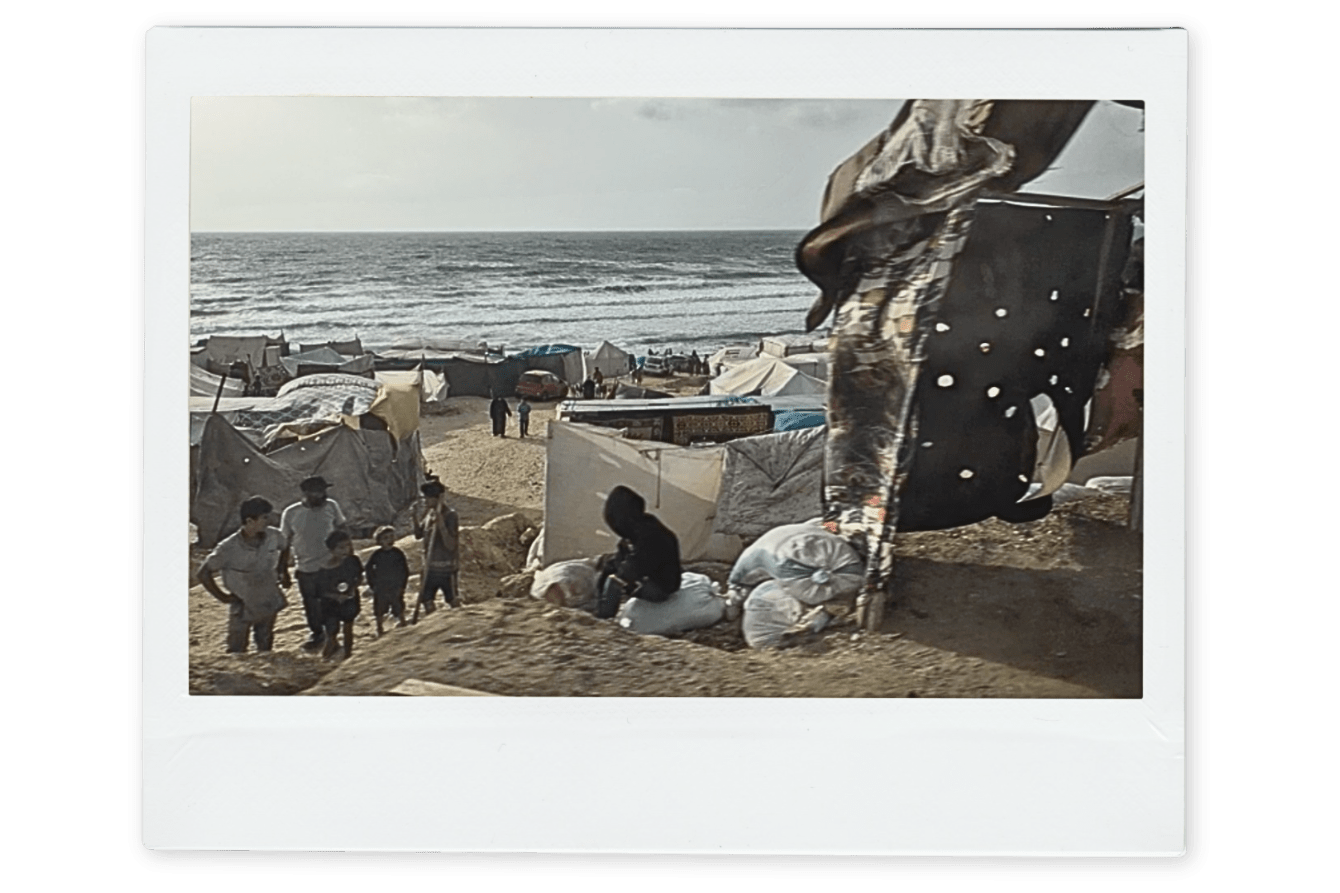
[(73, 518)]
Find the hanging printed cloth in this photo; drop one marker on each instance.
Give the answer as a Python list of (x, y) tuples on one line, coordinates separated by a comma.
[(895, 216)]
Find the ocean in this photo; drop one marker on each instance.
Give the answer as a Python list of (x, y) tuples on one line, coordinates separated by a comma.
[(686, 290)]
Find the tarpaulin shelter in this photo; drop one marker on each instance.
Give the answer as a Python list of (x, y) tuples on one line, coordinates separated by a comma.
[(257, 351), (610, 360), (950, 314), (373, 477), (680, 484), (433, 388), (468, 374), (324, 359), (564, 360), (732, 355), (206, 384), (770, 480), (766, 376)]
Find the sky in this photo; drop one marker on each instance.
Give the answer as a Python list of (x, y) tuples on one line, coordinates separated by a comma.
[(273, 164)]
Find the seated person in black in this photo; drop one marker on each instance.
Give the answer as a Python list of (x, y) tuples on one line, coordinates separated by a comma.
[(647, 563)]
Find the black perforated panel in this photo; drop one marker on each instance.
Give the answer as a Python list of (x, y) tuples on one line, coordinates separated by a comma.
[(1023, 316)]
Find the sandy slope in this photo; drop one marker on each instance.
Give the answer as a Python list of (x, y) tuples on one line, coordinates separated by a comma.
[(1047, 609)]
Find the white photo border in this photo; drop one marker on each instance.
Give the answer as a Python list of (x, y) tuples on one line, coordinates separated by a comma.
[(663, 775)]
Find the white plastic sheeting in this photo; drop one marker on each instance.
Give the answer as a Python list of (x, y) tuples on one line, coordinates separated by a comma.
[(680, 485), (767, 377)]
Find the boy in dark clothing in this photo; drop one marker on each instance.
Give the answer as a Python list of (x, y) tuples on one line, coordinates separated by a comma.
[(440, 530), (387, 574), (337, 591), (647, 564)]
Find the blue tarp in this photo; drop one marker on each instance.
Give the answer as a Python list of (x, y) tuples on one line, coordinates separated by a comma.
[(796, 419), (546, 350)]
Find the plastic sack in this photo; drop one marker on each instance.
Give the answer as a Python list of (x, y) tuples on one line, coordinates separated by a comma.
[(770, 611), (568, 584), (694, 605), (812, 564)]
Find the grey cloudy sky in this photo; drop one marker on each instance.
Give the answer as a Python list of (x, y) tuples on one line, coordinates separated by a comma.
[(387, 163)]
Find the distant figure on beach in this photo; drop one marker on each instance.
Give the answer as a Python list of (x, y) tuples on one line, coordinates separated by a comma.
[(637, 375), (695, 365), (589, 389), (599, 380), (499, 411), (337, 591), (647, 563), (440, 531), (720, 367), (523, 416), (387, 574), (249, 560), (305, 526)]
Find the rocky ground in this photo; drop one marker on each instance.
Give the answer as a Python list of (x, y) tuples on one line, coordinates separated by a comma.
[(1049, 609)]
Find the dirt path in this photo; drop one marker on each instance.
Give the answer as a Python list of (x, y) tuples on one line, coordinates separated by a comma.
[(1050, 609)]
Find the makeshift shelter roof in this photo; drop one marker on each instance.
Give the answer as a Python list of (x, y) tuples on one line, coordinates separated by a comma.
[(786, 345), (373, 477), (733, 355), (766, 376), (325, 356)]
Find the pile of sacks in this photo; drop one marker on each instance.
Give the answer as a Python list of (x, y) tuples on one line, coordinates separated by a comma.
[(785, 578), (697, 603), (781, 581)]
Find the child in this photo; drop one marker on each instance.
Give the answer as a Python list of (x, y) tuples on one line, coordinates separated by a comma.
[(337, 591), (523, 416), (387, 574), (249, 560), (440, 532)]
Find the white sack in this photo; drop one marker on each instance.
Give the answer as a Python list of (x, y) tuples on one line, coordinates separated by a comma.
[(696, 604), (812, 564), (569, 584), (770, 611)]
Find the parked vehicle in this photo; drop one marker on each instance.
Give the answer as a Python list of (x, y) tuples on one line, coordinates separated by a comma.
[(538, 384), (657, 365)]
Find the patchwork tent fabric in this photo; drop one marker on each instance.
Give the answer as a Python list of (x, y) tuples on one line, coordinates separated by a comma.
[(327, 397), (372, 478), (680, 485), (771, 480), (896, 217)]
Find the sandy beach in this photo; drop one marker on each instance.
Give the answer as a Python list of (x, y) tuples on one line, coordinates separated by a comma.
[(1049, 609)]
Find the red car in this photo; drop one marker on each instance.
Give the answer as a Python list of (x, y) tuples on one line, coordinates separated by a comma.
[(540, 385)]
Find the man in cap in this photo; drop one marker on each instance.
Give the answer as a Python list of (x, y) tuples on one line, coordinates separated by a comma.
[(305, 526), (440, 530)]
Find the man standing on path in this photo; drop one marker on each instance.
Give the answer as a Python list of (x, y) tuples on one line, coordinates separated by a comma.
[(499, 411), (523, 416), (305, 526), (440, 531)]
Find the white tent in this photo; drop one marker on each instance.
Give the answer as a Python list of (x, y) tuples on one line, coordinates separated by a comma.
[(610, 360), (787, 345), (814, 365), (766, 376), (732, 355), (680, 485)]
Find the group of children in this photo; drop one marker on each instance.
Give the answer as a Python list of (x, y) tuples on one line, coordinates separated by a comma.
[(254, 562)]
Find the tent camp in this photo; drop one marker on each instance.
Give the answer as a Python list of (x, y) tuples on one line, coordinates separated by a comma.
[(610, 360), (373, 476), (766, 376)]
